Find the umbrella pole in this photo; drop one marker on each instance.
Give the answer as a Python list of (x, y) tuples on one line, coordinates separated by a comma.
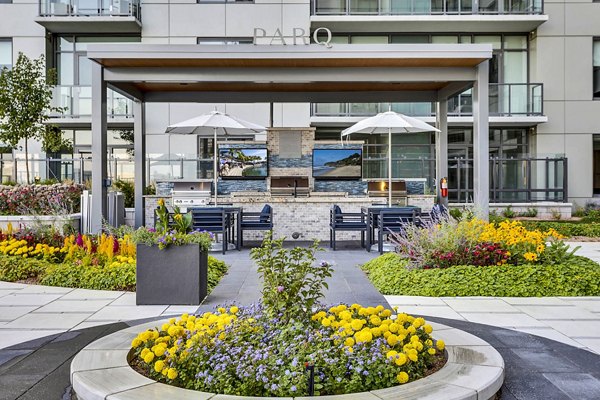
[(215, 171), (390, 167)]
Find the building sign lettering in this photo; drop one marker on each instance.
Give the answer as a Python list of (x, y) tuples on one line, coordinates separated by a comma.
[(298, 37)]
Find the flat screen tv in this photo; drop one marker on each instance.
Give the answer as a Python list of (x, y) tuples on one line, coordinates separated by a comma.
[(243, 163), (337, 163)]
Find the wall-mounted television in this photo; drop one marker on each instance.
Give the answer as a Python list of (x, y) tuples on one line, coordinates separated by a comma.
[(337, 163), (243, 163)]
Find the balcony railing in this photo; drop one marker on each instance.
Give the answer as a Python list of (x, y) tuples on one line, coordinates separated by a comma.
[(90, 8), (425, 7), (77, 102), (512, 180), (505, 99)]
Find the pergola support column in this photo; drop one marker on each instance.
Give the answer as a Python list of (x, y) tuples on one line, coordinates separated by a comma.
[(99, 149), (441, 148), (139, 146), (481, 146)]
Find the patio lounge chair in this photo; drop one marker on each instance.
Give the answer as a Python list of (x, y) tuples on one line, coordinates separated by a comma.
[(256, 221), (214, 220), (339, 221), (393, 221)]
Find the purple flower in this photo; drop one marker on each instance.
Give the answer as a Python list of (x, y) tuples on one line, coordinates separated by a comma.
[(280, 289), (293, 388)]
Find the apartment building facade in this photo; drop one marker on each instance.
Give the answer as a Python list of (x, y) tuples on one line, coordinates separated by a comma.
[(544, 85)]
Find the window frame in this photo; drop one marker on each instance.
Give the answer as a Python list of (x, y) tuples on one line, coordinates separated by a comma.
[(595, 69), (12, 57)]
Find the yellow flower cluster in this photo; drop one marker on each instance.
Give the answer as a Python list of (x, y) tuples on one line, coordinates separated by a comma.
[(407, 337), (122, 260), (520, 240), (174, 339), (14, 247)]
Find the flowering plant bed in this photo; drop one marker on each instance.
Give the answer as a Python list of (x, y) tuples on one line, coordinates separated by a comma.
[(246, 351), (52, 199), (105, 261), (273, 348)]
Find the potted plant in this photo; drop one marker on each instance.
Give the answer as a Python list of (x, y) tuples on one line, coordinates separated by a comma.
[(172, 262)]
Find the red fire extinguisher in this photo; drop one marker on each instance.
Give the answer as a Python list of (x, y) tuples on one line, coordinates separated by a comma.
[(444, 187)]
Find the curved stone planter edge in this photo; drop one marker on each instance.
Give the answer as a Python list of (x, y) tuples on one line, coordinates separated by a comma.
[(475, 370)]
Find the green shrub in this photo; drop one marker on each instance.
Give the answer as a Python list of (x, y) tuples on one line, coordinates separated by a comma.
[(17, 268), (508, 212), (127, 189), (566, 228), (581, 277), (119, 277), (216, 270)]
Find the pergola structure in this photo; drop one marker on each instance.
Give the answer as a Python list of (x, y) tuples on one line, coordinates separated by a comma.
[(303, 73)]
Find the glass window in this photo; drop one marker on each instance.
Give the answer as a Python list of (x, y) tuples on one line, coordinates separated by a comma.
[(597, 68), (410, 39), (515, 42), (444, 39), (369, 40), (597, 53), (5, 53), (495, 41), (81, 42), (466, 39)]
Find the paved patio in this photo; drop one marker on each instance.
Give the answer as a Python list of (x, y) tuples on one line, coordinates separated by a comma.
[(41, 328)]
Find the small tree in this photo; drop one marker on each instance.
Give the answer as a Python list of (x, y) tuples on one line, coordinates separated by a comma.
[(25, 102)]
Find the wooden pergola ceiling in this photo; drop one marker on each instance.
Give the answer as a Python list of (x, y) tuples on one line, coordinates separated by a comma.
[(366, 62)]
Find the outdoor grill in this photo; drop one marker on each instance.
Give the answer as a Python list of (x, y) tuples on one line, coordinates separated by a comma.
[(191, 193)]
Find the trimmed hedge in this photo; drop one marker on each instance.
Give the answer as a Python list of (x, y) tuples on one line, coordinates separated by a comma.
[(589, 229), (120, 277), (578, 278)]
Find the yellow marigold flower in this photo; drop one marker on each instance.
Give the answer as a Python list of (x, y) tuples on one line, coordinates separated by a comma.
[(412, 356), (418, 322), (136, 342), (440, 344), (172, 374), (345, 315), (349, 342), (159, 351), (393, 327), (350, 350), (159, 365), (402, 377), (391, 354), (326, 322), (400, 359), (357, 324), (431, 351), (392, 339), (234, 310), (149, 357), (144, 352), (375, 320), (427, 328)]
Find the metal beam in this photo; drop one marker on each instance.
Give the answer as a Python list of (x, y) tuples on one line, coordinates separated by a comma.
[(128, 90), (99, 148), (441, 148), (453, 89), (139, 145), (294, 97), (481, 146)]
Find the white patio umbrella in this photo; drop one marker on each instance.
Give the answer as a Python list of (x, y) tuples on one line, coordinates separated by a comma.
[(215, 124), (389, 122)]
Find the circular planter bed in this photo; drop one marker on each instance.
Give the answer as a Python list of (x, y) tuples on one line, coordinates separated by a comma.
[(474, 369)]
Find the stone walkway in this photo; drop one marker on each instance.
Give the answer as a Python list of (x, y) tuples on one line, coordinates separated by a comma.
[(28, 311)]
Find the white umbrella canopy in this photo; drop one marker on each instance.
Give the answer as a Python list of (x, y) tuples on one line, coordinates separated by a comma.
[(215, 124), (389, 122)]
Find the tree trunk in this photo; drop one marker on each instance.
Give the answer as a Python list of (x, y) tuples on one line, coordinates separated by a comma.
[(27, 161)]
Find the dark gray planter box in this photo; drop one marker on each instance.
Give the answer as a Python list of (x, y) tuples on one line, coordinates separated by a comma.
[(176, 275)]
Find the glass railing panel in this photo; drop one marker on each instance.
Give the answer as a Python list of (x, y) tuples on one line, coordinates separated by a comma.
[(90, 8), (426, 7), (76, 102)]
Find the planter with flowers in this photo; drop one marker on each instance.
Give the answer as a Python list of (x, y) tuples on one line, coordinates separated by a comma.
[(172, 262)]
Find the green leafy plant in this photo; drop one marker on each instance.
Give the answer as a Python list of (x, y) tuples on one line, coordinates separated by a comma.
[(579, 277), (567, 228), (292, 284), (559, 252), (531, 213), (127, 189), (556, 215), (508, 212)]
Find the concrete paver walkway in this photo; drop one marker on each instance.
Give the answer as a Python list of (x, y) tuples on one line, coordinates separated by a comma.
[(28, 311)]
